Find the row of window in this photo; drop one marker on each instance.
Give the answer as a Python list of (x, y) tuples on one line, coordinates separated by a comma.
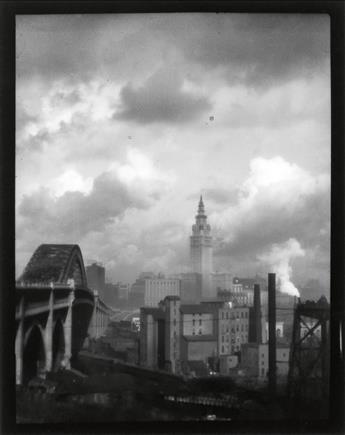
[(244, 315), (238, 328), (233, 349), (243, 338)]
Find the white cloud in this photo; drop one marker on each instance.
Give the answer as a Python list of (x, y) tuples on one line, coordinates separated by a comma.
[(70, 181)]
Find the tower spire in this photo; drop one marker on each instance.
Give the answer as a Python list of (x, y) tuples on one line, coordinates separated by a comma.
[(201, 207)]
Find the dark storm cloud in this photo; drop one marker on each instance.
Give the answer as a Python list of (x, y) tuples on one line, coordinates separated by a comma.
[(254, 49), (161, 99), (75, 214), (259, 49)]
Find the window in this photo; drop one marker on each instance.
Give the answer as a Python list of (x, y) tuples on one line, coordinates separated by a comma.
[(223, 315), (242, 328), (174, 322), (193, 322), (200, 321), (227, 315), (262, 372), (222, 338), (241, 314), (237, 328), (200, 331), (193, 332)]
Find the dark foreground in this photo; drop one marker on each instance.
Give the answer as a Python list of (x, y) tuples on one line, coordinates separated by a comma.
[(107, 392)]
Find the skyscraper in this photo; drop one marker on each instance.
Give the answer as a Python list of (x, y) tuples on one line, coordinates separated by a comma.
[(201, 251)]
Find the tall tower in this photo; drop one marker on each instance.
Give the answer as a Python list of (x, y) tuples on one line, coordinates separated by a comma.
[(201, 251)]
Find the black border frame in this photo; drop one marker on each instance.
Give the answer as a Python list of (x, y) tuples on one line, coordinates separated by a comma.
[(336, 11)]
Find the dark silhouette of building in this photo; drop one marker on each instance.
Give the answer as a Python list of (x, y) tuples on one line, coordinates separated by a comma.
[(96, 278)]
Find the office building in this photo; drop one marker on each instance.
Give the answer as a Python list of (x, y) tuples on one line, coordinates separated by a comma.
[(201, 252)]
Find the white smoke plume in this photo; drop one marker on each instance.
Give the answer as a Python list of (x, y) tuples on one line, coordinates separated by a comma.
[(278, 258)]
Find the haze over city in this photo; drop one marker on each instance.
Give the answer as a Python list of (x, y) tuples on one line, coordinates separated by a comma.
[(118, 135)]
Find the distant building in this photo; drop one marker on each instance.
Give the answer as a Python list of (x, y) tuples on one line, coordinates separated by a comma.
[(110, 294), (137, 293), (245, 287), (237, 298), (122, 290), (156, 289), (279, 330), (201, 252), (149, 290), (222, 281), (254, 359), (233, 329), (190, 287), (96, 278)]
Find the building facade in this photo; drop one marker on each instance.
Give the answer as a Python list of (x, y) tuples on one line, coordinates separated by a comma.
[(191, 288), (254, 359), (233, 329), (171, 308), (156, 289), (201, 252)]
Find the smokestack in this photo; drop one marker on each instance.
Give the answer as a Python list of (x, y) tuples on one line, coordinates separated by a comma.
[(272, 376), (257, 314)]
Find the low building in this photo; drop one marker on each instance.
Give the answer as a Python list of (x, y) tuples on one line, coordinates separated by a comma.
[(254, 360), (227, 363)]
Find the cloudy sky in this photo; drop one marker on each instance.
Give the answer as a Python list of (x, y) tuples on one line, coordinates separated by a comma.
[(124, 120)]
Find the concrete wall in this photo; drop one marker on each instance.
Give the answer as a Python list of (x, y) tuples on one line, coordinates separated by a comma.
[(201, 350)]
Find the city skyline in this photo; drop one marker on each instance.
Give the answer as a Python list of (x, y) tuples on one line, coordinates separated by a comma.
[(123, 121)]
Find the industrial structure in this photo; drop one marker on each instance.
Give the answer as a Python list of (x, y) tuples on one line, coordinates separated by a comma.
[(55, 311), (310, 354)]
